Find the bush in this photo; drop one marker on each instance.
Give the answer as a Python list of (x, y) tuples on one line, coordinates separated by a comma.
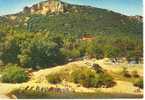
[(135, 74), (105, 80), (97, 68), (139, 83), (54, 78), (85, 77), (14, 74), (126, 73), (89, 78)]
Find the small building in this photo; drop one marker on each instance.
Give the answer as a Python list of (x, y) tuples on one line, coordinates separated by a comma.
[(87, 37)]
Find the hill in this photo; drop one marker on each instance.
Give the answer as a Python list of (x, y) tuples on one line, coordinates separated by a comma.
[(54, 32), (55, 16)]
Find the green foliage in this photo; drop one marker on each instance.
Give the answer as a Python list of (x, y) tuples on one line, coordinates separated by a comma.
[(83, 76), (105, 80), (14, 74), (40, 53), (131, 74), (42, 50), (89, 78), (54, 78), (86, 20), (31, 50), (135, 55), (112, 52), (9, 50), (55, 38), (139, 83), (99, 53), (92, 49)]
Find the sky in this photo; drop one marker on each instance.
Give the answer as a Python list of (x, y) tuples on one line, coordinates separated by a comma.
[(127, 7)]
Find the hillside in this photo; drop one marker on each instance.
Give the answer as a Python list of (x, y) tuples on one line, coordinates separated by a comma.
[(55, 32), (59, 17)]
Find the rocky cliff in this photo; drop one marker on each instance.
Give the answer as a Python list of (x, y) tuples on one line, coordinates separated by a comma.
[(49, 6), (139, 18)]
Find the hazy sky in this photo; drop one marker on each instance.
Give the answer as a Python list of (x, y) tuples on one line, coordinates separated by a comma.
[(127, 7)]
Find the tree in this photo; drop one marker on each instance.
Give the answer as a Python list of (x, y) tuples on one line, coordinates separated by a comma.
[(14, 74), (32, 50), (94, 50), (41, 52), (113, 53), (9, 50)]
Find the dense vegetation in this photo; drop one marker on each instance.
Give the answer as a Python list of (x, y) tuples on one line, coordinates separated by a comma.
[(54, 78), (42, 50), (90, 21), (82, 75), (40, 41), (127, 74), (14, 74), (139, 83), (89, 78)]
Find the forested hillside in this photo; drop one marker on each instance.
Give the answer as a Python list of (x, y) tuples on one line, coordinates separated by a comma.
[(42, 37)]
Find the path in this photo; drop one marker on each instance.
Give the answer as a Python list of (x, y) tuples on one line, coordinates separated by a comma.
[(5, 89)]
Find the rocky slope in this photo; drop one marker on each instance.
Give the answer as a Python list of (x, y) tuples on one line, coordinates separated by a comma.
[(43, 8), (139, 18)]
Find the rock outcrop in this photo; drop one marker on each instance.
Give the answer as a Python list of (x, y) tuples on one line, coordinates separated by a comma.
[(139, 18), (49, 6)]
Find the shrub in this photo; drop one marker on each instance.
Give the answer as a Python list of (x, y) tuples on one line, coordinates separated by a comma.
[(14, 74), (139, 83), (126, 73), (54, 78), (105, 80), (83, 76), (89, 78), (135, 74), (97, 68)]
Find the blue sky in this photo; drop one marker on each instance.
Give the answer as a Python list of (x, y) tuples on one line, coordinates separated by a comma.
[(127, 7)]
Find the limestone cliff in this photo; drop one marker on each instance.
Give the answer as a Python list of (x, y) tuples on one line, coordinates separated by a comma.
[(139, 18), (49, 6)]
